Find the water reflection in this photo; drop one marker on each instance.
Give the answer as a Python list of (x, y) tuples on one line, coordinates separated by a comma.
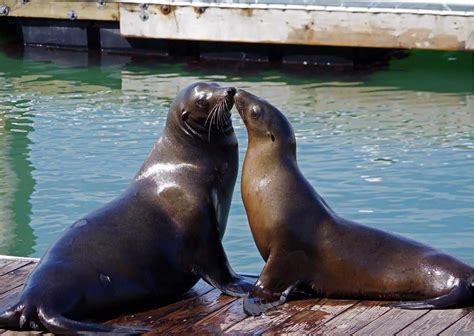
[(16, 184), (390, 149)]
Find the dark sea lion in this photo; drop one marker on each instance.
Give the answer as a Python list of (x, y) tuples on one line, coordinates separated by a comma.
[(306, 245), (157, 238)]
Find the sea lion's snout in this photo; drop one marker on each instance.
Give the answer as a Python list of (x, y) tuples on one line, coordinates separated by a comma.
[(240, 94), (240, 102), (227, 94), (231, 91)]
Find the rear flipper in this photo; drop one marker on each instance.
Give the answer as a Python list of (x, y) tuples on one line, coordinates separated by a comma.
[(61, 325), (460, 295), (28, 317)]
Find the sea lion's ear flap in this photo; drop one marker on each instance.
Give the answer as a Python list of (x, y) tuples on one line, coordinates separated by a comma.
[(270, 134), (184, 115)]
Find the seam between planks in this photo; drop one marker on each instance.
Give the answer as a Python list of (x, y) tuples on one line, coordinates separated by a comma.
[(170, 329), (233, 324), (9, 292), (354, 307), (19, 279), (247, 317), (450, 325), (409, 324), (405, 326), (275, 327), (288, 319), (15, 269), (342, 311)]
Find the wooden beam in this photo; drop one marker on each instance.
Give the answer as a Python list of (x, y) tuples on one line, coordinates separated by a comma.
[(315, 27), (66, 10)]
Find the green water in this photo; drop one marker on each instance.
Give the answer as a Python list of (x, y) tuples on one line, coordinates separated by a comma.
[(392, 149)]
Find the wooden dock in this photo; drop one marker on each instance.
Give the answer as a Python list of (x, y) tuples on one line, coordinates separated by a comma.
[(203, 310)]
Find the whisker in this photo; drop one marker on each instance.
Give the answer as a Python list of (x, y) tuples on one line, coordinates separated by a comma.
[(210, 113), (219, 117)]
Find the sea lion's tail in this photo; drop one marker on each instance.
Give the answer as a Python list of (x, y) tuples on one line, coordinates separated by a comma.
[(28, 317)]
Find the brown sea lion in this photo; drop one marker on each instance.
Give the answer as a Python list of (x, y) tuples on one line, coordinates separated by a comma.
[(306, 245), (157, 238)]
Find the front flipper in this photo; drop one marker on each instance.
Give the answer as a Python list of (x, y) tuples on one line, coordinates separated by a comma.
[(259, 300), (214, 268), (237, 286), (276, 282)]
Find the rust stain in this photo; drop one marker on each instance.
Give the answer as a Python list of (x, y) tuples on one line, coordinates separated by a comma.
[(247, 12), (199, 11), (165, 9), (132, 9)]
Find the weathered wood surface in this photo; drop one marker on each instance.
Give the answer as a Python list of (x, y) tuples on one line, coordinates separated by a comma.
[(203, 310), (280, 23), (47, 9), (300, 26)]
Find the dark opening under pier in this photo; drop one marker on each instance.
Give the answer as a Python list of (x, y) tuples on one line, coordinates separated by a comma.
[(203, 310)]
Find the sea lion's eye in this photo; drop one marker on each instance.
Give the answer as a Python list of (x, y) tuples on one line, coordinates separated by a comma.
[(255, 112), (201, 101)]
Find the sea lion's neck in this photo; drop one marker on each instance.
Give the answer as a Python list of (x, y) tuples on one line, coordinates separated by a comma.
[(265, 159), (269, 153)]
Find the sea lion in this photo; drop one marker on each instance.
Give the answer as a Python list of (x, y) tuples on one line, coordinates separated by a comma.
[(307, 245), (157, 238)]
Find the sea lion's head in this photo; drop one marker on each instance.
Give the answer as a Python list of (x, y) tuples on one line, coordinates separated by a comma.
[(203, 110), (264, 122)]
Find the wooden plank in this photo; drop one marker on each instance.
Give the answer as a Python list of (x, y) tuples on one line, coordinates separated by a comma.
[(13, 291), (203, 310), (184, 317), (152, 316), (273, 317), (7, 257), (309, 321), (13, 265), (15, 278), (219, 321), (306, 27), (9, 299), (464, 326), (434, 322), (4, 263), (391, 322), (85, 10), (354, 318)]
